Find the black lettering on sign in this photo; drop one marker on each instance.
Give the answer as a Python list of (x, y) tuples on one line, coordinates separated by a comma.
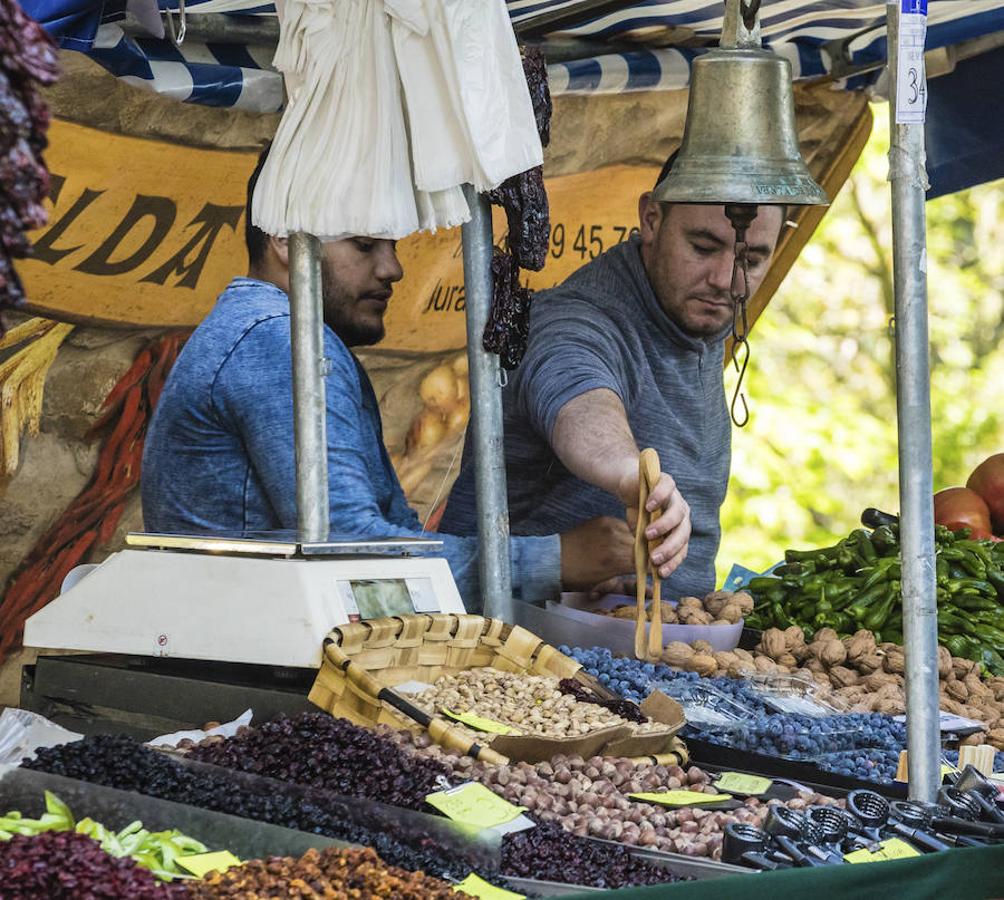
[(56, 183), (444, 298), (163, 212), (212, 218), (45, 249)]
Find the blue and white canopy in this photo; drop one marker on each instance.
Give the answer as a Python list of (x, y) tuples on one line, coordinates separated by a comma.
[(818, 37)]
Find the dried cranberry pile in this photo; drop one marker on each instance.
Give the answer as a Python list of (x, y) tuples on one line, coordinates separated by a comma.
[(316, 750), (549, 853), (27, 59), (63, 864), (120, 762)]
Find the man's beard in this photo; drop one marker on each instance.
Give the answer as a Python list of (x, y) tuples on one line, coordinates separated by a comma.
[(340, 310)]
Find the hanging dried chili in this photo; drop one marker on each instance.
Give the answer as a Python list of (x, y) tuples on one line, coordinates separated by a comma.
[(524, 199), (27, 59)]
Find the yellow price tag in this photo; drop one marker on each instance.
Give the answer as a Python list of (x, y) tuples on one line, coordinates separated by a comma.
[(739, 783), (478, 887), (894, 848), (201, 864), (474, 804), (946, 769), (479, 723), (681, 798)]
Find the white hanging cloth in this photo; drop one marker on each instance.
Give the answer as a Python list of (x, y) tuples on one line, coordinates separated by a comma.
[(356, 155)]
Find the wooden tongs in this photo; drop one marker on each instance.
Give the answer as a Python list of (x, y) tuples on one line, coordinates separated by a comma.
[(649, 470)]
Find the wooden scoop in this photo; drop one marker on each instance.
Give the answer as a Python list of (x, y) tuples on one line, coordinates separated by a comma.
[(649, 470)]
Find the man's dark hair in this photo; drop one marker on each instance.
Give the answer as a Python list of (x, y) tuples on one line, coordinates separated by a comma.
[(255, 239), (667, 167)]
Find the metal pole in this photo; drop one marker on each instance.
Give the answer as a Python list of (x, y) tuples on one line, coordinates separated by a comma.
[(306, 325), (913, 404), (486, 415)]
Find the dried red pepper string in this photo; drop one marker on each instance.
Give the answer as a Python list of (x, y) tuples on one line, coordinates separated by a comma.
[(92, 517), (27, 58)]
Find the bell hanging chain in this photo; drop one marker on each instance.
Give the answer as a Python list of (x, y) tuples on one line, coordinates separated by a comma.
[(741, 215)]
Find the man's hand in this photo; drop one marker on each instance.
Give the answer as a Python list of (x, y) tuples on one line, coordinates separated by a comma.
[(594, 551), (671, 527), (619, 584)]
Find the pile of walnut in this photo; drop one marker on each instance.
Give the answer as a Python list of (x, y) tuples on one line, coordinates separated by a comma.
[(854, 673), (718, 608)]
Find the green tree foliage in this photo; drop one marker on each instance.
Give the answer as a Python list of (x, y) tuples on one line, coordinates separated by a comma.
[(821, 442)]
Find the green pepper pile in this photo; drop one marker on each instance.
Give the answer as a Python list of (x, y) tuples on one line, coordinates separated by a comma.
[(855, 584)]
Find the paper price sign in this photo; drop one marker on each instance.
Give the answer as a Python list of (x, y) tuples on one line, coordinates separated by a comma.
[(911, 77), (478, 887), (737, 783), (479, 723), (680, 798), (893, 848), (473, 804), (201, 864)]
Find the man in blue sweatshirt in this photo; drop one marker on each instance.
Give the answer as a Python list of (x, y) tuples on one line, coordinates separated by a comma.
[(219, 455), (628, 353)]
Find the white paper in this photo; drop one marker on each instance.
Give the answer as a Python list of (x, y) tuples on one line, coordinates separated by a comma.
[(911, 77), (227, 730)]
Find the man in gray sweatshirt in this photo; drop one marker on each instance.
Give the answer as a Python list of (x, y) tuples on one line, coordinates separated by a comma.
[(628, 353)]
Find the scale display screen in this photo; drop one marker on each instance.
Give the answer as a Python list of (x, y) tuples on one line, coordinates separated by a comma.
[(374, 598)]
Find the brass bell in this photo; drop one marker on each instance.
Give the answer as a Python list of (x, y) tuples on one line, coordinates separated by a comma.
[(740, 144)]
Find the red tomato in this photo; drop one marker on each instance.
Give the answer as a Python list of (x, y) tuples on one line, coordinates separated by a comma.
[(962, 508), (988, 481)]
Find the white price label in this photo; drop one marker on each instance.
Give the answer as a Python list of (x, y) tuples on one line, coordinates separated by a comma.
[(911, 77)]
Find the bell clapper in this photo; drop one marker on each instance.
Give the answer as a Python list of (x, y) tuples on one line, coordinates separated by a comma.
[(741, 215)]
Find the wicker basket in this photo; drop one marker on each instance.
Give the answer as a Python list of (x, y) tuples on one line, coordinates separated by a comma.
[(364, 661)]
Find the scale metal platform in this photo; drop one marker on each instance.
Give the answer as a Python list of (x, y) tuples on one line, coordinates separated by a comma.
[(177, 630)]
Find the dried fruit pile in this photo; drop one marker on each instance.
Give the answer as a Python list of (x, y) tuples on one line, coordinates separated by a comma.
[(27, 59), (321, 873), (62, 864), (316, 750), (119, 762), (531, 704), (157, 851), (547, 853)]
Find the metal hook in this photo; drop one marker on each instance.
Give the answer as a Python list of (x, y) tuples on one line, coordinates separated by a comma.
[(749, 13), (503, 379), (738, 396), (179, 37)]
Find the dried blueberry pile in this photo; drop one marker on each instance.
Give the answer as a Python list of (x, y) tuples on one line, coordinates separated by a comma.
[(27, 60), (62, 864), (549, 853), (119, 762), (316, 750), (861, 745)]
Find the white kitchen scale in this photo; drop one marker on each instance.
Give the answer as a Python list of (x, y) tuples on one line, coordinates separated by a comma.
[(265, 599)]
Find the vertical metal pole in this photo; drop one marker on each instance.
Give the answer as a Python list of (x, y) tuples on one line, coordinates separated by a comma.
[(486, 415), (306, 324), (913, 404)]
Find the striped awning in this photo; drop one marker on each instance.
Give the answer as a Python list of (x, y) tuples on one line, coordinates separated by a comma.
[(818, 37)]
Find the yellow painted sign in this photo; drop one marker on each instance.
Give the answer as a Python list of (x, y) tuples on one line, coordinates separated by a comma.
[(148, 234)]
